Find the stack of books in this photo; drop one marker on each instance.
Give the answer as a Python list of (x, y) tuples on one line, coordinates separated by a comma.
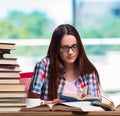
[(12, 92)]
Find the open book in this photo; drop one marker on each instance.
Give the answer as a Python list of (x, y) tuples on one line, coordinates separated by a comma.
[(73, 98), (78, 106), (108, 103), (68, 97), (107, 106)]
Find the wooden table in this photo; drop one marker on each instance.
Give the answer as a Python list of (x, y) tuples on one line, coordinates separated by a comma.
[(94, 113)]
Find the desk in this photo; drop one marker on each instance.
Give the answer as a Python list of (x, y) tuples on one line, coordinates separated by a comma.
[(96, 113)]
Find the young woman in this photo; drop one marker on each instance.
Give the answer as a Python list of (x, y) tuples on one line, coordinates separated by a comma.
[(65, 69)]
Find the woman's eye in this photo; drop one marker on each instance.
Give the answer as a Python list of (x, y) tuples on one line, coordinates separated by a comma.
[(64, 48)]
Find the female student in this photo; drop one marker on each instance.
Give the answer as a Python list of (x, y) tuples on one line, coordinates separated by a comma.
[(65, 70)]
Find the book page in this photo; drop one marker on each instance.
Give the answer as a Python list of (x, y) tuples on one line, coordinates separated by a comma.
[(116, 99), (37, 108), (104, 105), (84, 105)]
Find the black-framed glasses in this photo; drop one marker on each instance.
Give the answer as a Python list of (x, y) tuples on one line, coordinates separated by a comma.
[(66, 48)]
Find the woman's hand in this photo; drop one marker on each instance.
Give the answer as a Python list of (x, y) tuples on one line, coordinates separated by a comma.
[(54, 101), (86, 96)]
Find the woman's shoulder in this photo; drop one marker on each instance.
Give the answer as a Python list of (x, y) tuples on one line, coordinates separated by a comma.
[(44, 61), (91, 74)]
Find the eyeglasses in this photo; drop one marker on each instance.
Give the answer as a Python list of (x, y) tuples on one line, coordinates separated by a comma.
[(66, 48)]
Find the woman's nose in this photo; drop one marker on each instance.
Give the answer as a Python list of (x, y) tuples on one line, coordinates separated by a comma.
[(70, 51)]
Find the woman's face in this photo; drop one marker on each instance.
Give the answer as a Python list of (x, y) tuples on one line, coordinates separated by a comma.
[(69, 49)]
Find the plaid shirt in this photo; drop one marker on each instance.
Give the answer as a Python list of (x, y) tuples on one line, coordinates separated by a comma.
[(39, 83)]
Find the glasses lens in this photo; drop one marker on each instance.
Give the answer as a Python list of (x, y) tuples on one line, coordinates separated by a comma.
[(64, 48), (74, 47)]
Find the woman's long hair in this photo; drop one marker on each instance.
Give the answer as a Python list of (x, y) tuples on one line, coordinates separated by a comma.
[(82, 62)]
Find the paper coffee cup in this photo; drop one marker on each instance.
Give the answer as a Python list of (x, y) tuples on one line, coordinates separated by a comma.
[(33, 102)]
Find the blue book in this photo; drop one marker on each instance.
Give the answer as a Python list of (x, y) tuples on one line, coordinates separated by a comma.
[(73, 99)]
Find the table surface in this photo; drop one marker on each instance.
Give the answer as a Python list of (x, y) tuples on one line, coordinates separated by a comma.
[(93, 113)]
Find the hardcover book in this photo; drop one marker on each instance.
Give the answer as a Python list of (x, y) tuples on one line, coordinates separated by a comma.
[(13, 103), (9, 68), (79, 106), (12, 94), (11, 74), (9, 80), (69, 98), (12, 87), (11, 108), (8, 61), (7, 45)]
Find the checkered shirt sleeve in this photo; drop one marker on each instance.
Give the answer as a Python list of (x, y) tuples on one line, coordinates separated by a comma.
[(39, 76)]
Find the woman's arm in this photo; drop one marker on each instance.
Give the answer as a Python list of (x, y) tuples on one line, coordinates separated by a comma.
[(33, 95), (93, 87), (38, 78)]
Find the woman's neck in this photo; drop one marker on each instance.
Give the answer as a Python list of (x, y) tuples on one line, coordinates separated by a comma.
[(71, 72), (69, 67)]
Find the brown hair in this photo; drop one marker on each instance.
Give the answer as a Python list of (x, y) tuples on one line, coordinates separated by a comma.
[(82, 62)]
